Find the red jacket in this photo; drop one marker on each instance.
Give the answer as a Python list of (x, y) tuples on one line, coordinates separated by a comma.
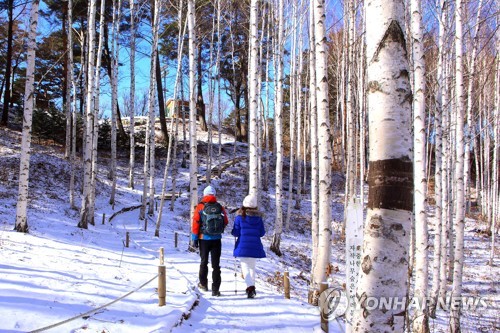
[(195, 225)]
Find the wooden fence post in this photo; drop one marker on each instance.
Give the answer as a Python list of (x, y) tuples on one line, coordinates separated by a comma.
[(286, 284), (103, 218), (127, 239), (162, 280), (176, 237)]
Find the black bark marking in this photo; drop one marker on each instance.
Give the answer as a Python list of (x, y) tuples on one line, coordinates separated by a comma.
[(391, 185), (366, 265), (393, 34)]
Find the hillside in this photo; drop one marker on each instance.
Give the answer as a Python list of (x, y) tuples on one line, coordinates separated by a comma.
[(58, 271)]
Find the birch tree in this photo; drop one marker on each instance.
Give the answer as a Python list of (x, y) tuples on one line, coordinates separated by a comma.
[(459, 221), (420, 320), (314, 147), (278, 224), (114, 92), (193, 165), (438, 227), (152, 104), (72, 105), (324, 146), (96, 105), (29, 93), (384, 260), (89, 115), (254, 96), (132, 96)]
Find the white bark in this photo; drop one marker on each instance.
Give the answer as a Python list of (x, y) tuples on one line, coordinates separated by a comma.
[(72, 105), (496, 158), (298, 196), (459, 222), (132, 96), (324, 146), (29, 90), (421, 319), (444, 99), (68, 83), (96, 103), (114, 93), (254, 96), (438, 227), (193, 165), (278, 117), (314, 145), (293, 110), (89, 111), (384, 259), (152, 106)]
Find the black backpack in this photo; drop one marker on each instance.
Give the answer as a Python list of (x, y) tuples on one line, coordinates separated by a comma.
[(212, 219)]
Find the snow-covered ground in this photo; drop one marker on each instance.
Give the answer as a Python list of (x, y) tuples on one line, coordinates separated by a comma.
[(58, 271)]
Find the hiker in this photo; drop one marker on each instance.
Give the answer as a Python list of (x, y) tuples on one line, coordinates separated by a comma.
[(209, 221), (249, 228)]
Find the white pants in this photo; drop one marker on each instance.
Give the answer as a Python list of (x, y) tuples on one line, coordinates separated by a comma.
[(248, 270)]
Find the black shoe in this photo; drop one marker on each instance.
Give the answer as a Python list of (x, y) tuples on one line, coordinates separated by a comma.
[(202, 287), (216, 293), (251, 292)]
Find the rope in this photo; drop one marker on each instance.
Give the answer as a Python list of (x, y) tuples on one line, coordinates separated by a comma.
[(94, 310)]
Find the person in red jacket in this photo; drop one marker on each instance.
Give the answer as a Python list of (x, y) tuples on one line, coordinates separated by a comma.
[(209, 221)]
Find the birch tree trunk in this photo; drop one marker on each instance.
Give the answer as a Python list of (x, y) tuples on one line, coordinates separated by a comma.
[(193, 165), (293, 109), (314, 150), (438, 189), (496, 156), (278, 224), (459, 170), (324, 147), (298, 195), (132, 96), (89, 110), (253, 71), (390, 176), (444, 101), (72, 105), (152, 105), (96, 104), (117, 4), (29, 93), (421, 319)]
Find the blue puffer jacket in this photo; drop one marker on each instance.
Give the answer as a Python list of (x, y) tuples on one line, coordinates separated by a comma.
[(249, 230)]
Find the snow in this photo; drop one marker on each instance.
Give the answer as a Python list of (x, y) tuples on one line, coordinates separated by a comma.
[(58, 271)]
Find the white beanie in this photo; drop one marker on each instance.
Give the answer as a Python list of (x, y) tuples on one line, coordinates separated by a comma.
[(250, 201), (209, 190)]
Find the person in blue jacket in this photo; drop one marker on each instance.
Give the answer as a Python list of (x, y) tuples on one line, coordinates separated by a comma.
[(249, 228)]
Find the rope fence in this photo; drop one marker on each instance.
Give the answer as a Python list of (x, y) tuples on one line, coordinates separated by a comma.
[(94, 310)]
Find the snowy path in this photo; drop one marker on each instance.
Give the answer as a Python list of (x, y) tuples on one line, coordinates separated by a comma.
[(268, 312)]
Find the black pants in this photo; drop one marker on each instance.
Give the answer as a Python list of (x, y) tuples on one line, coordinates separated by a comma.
[(213, 247)]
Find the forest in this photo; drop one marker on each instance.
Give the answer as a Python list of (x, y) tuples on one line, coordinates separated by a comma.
[(369, 127)]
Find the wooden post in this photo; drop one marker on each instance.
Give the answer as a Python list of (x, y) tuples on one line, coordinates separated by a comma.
[(286, 284), (127, 239), (103, 218), (324, 321), (146, 223), (176, 239), (162, 285), (162, 256)]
